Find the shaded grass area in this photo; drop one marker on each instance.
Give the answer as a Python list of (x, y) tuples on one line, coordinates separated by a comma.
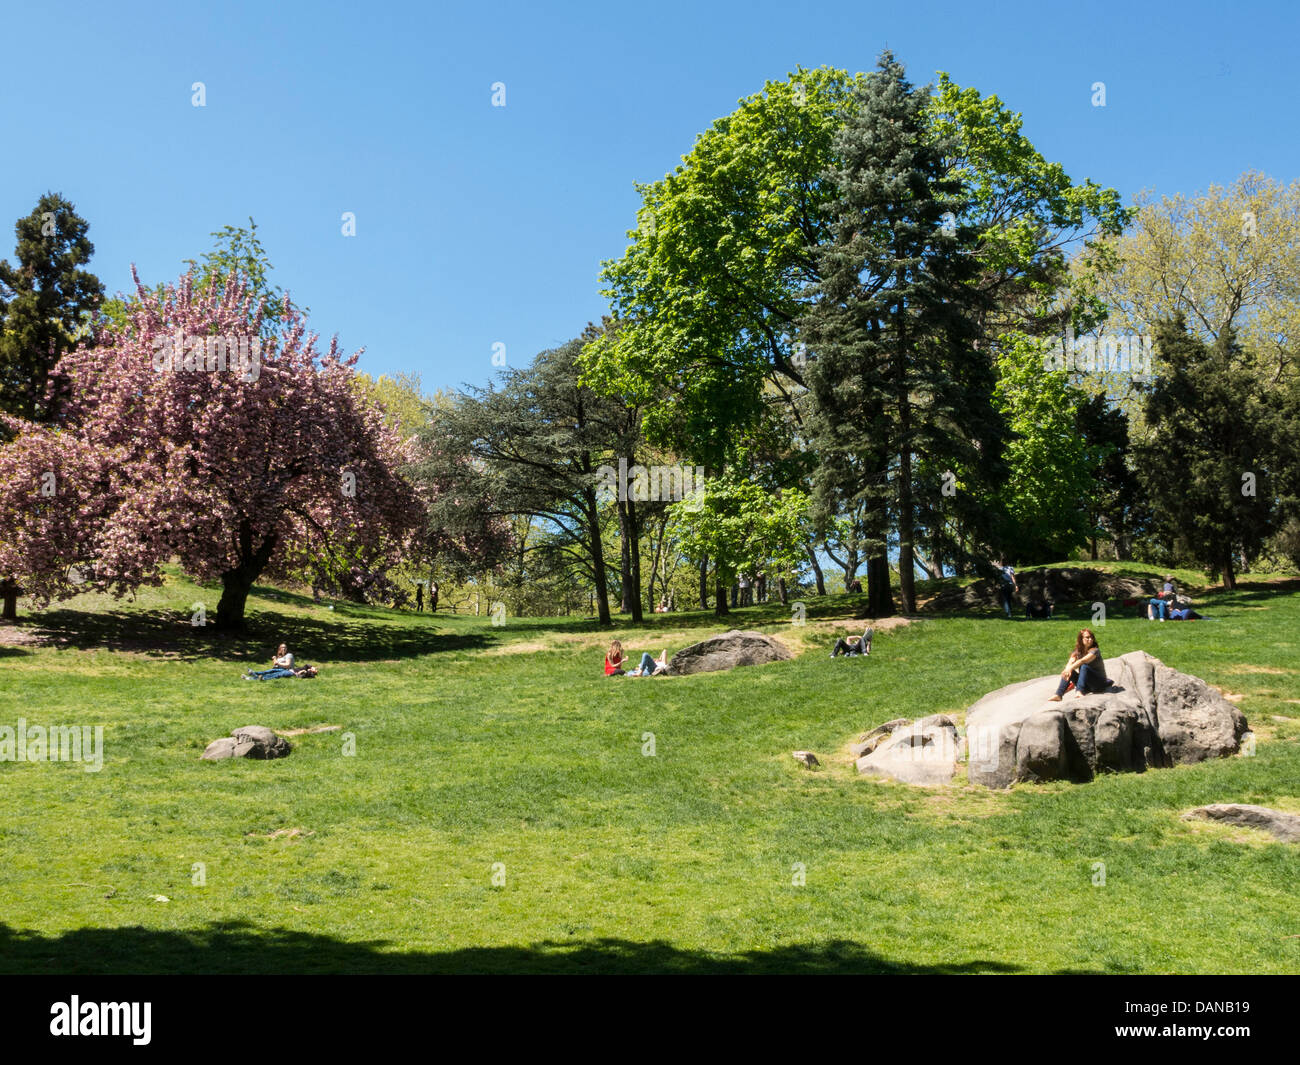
[(507, 808)]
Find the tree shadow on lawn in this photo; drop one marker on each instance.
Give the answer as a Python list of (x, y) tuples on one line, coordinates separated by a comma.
[(169, 634), (236, 947)]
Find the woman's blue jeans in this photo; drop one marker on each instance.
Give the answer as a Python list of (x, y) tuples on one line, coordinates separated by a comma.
[(1085, 680), (273, 674), (648, 664), (1160, 606)]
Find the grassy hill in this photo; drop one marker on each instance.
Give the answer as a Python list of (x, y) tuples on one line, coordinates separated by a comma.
[(477, 745)]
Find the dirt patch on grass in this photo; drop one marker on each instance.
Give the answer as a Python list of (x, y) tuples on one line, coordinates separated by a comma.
[(522, 647), (1246, 667), (856, 625), (307, 731), (284, 833), (13, 636)]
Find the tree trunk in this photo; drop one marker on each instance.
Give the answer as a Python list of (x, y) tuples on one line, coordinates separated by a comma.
[(597, 555), (816, 568), (906, 560), (761, 591), (235, 586), (634, 570), (704, 583), (1229, 577), (10, 592), (720, 603), (238, 582), (782, 592), (624, 558), (930, 569), (880, 600)]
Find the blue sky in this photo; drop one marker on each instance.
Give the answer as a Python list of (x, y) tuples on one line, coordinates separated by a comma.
[(477, 224)]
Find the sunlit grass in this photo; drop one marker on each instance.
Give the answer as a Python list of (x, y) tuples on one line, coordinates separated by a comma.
[(477, 745)]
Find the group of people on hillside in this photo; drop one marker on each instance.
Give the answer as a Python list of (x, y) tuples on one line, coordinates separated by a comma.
[(649, 666), (1166, 605)]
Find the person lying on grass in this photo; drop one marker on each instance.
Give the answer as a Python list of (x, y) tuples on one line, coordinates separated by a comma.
[(304, 672), (615, 660), (1085, 669), (854, 645), (649, 666)]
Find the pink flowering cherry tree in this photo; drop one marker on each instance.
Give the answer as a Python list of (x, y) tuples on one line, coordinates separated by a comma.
[(228, 445)]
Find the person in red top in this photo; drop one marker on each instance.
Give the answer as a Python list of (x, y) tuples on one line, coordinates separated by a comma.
[(614, 660)]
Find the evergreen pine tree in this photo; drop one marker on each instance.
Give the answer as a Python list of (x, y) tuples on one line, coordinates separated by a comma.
[(895, 368), (46, 299)]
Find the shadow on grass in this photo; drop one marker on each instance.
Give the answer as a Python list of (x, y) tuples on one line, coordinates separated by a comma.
[(241, 948), (169, 633)]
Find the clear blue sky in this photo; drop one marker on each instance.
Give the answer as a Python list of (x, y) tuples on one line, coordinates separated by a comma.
[(478, 224)]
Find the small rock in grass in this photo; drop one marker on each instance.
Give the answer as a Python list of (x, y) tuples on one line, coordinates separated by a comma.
[(250, 741), (1283, 826), (806, 758)]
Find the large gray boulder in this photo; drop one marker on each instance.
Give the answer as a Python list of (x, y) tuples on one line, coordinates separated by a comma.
[(731, 649), (924, 752), (1283, 826), (1151, 717), (250, 741)]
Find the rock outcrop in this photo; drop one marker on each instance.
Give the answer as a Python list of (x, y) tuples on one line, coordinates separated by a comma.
[(1067, 585), (1152, 717), (924, 752), (250, 741), (731, 649), (1283, 826)]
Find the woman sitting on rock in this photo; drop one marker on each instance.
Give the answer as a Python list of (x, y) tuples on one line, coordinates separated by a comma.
[(1085, 669)]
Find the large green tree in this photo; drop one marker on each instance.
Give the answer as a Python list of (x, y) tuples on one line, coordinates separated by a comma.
[(1219, 465), (46, 303), (533, 448), (1050, 494), (896, 369)]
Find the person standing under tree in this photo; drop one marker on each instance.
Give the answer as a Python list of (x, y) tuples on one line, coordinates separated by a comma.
[(1007, 577), (419, 597)]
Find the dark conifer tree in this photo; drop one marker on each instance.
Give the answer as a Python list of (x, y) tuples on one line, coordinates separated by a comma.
[(46, 300), (895, 368)]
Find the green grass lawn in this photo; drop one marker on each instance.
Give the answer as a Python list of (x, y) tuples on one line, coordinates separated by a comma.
[(477, 745)]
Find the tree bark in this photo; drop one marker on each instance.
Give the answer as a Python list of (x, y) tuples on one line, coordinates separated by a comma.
[(1229, 577), (597, 550), (816, 568), (9, 591), (906, 517), (782, 592), (238, 582), (880, 600), (624, 557), (720, 605), (634, 570), (704, 583)]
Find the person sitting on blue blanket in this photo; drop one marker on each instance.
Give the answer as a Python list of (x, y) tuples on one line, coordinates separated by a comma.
[(281, 666)]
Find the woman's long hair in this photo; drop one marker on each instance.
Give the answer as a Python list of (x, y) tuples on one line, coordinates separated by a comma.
[(615, 651), (1079, 649)]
